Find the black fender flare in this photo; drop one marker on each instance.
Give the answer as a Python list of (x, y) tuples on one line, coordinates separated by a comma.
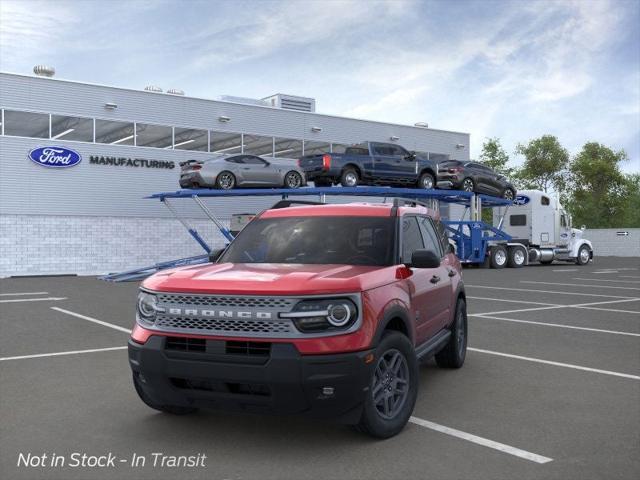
[(394, 311)]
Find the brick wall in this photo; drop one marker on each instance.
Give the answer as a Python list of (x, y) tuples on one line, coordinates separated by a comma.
[(607, 242), (85, 245)]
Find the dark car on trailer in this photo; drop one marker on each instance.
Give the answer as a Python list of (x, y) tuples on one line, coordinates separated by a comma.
[(371, 163), (474, 177)]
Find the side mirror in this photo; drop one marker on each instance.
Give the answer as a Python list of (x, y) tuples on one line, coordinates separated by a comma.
[(424, 259), (214, 255), (583, 228), (411, 156)]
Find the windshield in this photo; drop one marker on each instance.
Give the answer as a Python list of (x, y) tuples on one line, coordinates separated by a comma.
[(315, 240)]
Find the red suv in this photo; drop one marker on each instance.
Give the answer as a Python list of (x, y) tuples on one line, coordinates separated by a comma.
[(318, 309)]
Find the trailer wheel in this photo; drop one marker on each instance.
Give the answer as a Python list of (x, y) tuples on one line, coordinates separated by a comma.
[(498, 256), (517, 257)]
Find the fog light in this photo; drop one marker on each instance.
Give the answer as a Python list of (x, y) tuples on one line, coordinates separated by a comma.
[(328, 391)]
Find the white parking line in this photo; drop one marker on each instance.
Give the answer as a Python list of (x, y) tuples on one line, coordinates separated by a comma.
[(558, 325), (527, 290), (57, 354), (22, 293), (90, 319), (481, 441), (587, 306), (47, 299), (556, 364), (512, 301), (603, 280), (566, 270), (580, 285)]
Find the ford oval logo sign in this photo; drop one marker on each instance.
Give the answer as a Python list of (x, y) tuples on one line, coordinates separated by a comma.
[(521, 200), (55, 157)]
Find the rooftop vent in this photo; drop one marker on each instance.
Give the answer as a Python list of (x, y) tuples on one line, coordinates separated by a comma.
[(421, 124), (44, 71), (153, 88), (292, 102), (175, 91)]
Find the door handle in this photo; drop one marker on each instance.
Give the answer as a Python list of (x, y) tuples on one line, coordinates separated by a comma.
[(435, 279), (452, 273)]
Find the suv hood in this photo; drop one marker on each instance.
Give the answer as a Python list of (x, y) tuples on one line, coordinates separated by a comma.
[(271, 279)]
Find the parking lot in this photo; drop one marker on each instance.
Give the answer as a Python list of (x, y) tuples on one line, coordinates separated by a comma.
[(550, 389)]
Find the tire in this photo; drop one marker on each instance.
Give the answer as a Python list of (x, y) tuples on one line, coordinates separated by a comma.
[(498, 257), (584, 255), (517, 257), (225, 180), (508, 194), (455, 351), (468, 185), (426, 181), (293, 180), (322, 182), (394, 348), (349, 178), (172, 409)]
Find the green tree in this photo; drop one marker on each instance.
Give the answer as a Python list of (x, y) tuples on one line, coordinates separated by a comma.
[(545, 164), (599, 193), (495, 157), (630, 216)]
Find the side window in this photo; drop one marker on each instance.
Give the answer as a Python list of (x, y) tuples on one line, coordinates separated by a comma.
[(442, 235), (431, 241), (398, 151), (238, 159), (563, 220), (411, 238), (545, 200), (252, 160), (517, 220)]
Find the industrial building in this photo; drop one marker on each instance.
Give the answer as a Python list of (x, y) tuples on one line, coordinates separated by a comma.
[(92, 218)]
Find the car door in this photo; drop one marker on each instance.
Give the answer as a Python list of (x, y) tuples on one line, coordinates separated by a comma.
[(257, 171), (442, 290), (391, 164), (423, 290)]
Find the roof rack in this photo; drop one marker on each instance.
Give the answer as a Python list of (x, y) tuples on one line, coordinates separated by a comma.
[(288, 203)]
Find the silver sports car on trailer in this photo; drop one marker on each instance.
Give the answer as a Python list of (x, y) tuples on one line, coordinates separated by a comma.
[(241, 170)]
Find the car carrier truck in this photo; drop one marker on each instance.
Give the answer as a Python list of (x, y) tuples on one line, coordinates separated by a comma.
[(540, 230)]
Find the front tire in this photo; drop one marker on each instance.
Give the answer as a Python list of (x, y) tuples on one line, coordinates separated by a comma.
[(293, 179), (426, 181), (349, 178), (172, 409), (225, 180), (393, 389), (584, 255), (468, 185), (455, 351)]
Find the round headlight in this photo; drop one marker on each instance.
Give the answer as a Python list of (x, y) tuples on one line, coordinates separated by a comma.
[(147, 306), (339, 314)]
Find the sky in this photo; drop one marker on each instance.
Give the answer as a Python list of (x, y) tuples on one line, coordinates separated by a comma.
[(508, 69)]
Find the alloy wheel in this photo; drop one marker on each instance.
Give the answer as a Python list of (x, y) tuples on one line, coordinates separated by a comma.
[(390, 387), (351, 179), (467, 185), (226, 181), (293, 180), (508, 194)]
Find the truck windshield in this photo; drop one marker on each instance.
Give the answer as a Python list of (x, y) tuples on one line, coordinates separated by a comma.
[(315, 240)]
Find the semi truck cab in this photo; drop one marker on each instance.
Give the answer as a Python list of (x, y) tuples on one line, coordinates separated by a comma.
[(540, 223)]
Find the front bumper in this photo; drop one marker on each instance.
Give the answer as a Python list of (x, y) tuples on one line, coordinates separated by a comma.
[(281, 382)]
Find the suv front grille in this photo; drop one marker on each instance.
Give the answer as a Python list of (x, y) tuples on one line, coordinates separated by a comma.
[(186, 344), (248, 348), (215, 301), (225, 326)]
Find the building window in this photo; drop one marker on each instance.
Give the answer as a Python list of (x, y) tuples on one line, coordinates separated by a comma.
[(157, 136), (71, 128), (225, 143), (316, 148), (258, 145), (287, 148), (113, 132), (26, 124), (191, 139)]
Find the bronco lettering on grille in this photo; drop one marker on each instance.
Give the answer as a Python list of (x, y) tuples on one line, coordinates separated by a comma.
[(194, 312)]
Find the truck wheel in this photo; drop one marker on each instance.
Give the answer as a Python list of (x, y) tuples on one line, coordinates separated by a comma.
[(584, 254), (517, 257), (225, 180), (426, 181), (393, 388), (455, 351), (349, 178), (468, 185), (498, 256), (172, 409)]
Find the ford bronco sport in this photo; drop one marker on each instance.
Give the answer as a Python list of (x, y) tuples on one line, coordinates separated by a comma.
[(324, 310)]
